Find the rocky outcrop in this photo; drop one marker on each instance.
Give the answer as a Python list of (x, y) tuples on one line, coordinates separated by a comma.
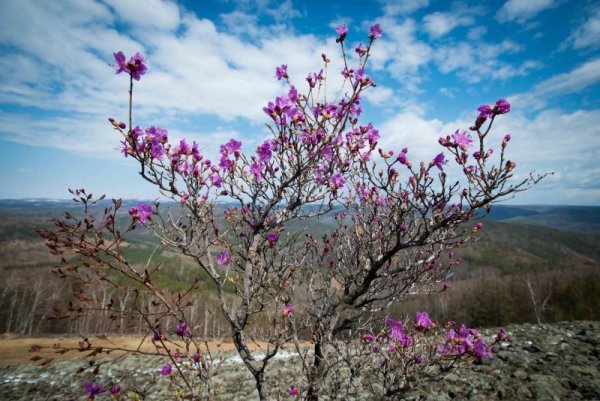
[(545, 362)]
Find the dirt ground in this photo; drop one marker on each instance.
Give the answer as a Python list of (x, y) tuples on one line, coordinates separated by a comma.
[(17, 350)]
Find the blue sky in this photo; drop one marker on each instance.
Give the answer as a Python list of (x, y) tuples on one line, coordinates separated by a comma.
[(211, 70)]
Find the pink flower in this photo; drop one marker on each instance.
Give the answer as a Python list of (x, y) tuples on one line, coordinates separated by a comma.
[(447, 286), (288, 310), (438, 161), (293, 390), (422, 321), (230, 147), (223, 259), (135, 67), (181, 329), (115, 389), (93, 389), (502, 106), (368, 337), (503, 336), (142, 213), (342, 31), (375, 32), (272, 238), (361, 50), (481, 349), (281, 72), (166, 370), (397, 332), (337, 181), (485, 111), (462, 139)]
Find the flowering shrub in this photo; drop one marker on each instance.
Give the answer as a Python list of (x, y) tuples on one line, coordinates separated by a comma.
[(394, 219)]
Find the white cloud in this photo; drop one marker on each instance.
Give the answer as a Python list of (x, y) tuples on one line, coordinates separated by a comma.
[(439, 24), (394, 7), (578, 79), (587, 34), (195, 67), (379, 95), (147, 14), (522, 10), (481, 61), (401, 54)]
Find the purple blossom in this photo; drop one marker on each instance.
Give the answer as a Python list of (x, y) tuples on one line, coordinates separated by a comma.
[(166, 370), (462, 139), (225, 163), (502, 106), (181, 329), (375, 31), (135, 67), (503, 336), (196, 357), (342, 31), (481, 349), (257, 169), (142, 213), (368, 337), (156, 335), (478, 226), (125, 149), (485, 111), (121, 65), (93, 389), (402, 156), (288, 310), (156, 135), (337, 181), (397, 332), (327, 153), (216, 180), (117, 124), (230, 147), (422, 321), (293, 94), (360, 50), (281, 72), (293, 391), (447, 286), (157, 151), (438, 161), (223, 259), (272, 238), (115, 389), (264, 151)]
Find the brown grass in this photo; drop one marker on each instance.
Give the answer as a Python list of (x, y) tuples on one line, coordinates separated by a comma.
[(16, 350)]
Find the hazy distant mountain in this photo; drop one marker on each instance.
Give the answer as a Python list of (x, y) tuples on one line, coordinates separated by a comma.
[(584, 219)]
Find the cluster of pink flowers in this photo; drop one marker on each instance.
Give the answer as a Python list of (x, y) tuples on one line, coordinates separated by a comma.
[(464, 341), (141, 213)]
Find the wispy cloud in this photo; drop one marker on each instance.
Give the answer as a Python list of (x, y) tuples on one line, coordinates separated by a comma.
[(586, 35), (438, 24), (576, 80), (522, 10)]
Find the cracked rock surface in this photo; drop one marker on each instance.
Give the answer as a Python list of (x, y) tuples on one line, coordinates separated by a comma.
[(545, 362)]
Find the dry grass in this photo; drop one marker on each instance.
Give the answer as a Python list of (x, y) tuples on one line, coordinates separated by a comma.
[(15, 349)]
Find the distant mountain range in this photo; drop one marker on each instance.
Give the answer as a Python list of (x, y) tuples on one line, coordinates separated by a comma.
[(582, 219)]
